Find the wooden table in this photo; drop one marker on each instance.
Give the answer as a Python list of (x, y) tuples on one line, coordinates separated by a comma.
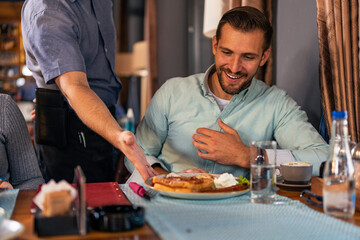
[(316, 187), (22, 214)]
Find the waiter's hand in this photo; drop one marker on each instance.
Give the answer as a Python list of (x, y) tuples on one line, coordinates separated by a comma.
[(225, 148), (135, 154)]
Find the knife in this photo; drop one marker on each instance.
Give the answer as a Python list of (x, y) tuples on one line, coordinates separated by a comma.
[(139, 190)]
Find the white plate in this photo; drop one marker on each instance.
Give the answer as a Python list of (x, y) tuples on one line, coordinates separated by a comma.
[(196, 196), (10, 229)]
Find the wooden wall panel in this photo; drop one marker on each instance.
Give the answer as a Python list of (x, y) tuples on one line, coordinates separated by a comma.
[(10, 10)]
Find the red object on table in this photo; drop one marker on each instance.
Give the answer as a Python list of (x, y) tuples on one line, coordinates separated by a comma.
[(99, 194), (106, 193), (139, 190)]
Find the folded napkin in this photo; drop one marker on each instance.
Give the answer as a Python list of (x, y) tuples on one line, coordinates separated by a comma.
[(8, 200), (238, 218)]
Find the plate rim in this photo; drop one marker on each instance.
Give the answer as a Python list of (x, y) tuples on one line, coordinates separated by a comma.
[(196, 195), (283, 184)]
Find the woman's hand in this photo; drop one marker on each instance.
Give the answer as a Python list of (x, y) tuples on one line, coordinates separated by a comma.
[(4, 184), (33, 113)]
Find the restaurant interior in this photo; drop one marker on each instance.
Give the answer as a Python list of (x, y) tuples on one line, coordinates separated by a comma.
[(315, 59), (193, 54)]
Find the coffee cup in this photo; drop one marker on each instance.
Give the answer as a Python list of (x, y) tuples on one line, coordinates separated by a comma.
[(296, 172)]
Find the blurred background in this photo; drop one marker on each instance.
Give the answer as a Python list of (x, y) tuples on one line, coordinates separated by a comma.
[(171, 31)]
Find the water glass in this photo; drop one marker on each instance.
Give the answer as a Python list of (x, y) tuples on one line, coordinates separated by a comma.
[(262, 171)]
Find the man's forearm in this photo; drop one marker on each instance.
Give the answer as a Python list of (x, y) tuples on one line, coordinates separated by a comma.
[(88, 106), (94, 114)]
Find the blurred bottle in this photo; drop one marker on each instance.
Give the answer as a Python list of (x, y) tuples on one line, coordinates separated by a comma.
[(130, 120), (339, 185), (355, 153)]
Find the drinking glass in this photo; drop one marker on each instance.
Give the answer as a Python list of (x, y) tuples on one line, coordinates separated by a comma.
[(262, 171)]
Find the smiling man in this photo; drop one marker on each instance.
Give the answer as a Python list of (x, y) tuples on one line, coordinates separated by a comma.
[(236, 64), (205, 122)]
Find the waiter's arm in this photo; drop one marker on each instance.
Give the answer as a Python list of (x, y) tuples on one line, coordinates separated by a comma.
[(94, 114)]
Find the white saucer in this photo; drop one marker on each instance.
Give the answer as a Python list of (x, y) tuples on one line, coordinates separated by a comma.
[(10, 229), (283, 184)]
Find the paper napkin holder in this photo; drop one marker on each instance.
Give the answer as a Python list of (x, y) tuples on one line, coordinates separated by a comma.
[(73, 223), (57, 225)]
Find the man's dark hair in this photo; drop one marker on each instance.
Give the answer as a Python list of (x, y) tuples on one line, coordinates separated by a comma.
[(246, 19)]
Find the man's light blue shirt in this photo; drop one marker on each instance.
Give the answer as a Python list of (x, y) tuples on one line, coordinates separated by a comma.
[(260, 112)]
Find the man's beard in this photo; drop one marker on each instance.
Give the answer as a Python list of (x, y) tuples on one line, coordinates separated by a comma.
[(231, 90)]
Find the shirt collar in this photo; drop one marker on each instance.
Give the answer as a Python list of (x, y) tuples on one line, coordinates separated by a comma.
[(205, 84)]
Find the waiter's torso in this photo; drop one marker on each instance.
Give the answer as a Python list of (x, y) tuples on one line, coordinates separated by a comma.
[(72, 35)]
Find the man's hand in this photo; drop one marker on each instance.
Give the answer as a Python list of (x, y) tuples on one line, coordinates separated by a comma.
[(135, 154), (224, 148), (194, 170)]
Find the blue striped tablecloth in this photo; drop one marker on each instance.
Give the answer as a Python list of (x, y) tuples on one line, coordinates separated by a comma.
[(238, 218), (7, 200)]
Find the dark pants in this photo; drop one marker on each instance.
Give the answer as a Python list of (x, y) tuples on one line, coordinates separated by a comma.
[(85, 148)]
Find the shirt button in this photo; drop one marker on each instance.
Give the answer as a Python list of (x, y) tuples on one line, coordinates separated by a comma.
[(106, 50), (98, 22)]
